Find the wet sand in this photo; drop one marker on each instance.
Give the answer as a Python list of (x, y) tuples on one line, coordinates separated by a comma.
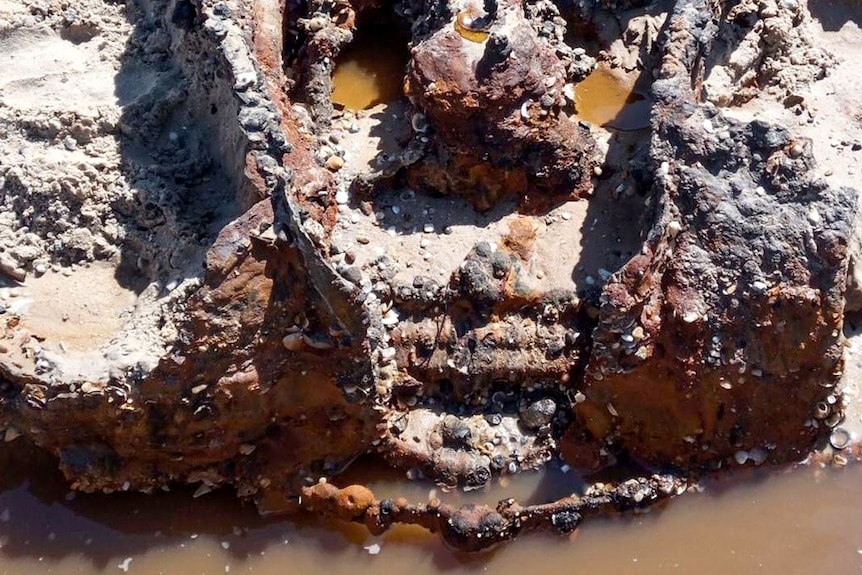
[(769, 523)]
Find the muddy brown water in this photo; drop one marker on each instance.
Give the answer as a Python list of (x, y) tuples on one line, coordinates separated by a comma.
[(370, 71), (805, 521), (611, 99)]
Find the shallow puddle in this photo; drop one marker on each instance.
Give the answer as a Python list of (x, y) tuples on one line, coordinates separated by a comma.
[(806, 521), (609, 99), (370, 71)]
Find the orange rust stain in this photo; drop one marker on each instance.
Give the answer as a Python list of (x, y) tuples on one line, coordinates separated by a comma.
[(521, 238)]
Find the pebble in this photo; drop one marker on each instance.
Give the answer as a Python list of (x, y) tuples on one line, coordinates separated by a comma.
[(292, 341), (353, 275), (538, 413), (390, 319), (334, 163), (89, 387), (814, 217), (341, 197), (428, 228), (493, 418), (796, 150)]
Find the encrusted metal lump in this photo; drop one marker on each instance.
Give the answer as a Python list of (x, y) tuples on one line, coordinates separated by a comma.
[(421, 303)]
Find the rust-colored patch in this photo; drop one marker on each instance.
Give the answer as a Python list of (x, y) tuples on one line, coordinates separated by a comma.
[(521, 238)]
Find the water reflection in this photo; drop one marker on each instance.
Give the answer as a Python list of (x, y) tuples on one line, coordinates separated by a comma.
[(611, 99), (371, 69), (772, 523)]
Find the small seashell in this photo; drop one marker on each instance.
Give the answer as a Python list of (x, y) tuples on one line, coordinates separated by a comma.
[(796, 150), (690, 317), (821, 410), (321, 344), (202, 490), (419, 122), (758, 455), (840, 438), (292, 341), (835, 418)]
